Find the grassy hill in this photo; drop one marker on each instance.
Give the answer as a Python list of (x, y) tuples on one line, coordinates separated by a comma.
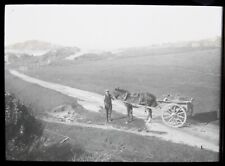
[(194, 73), (34, 45)]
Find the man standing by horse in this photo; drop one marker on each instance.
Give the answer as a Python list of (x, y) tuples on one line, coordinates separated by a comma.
[(108, 105)]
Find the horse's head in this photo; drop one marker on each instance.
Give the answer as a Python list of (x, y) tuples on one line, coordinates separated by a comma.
[(119, 93)]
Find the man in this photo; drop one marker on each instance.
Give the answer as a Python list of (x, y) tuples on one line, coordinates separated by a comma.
[(108, 105)]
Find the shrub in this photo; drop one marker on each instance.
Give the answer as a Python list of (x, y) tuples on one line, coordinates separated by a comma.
[(24, 138), (22, 129)]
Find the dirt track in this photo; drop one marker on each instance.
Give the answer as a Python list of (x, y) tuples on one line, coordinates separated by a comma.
[(197, 135)]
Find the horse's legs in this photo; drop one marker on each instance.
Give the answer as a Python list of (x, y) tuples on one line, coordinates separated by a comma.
[(128, 114), (131, 112), (190, 105), (150, 113), (149, 117), (146, 109), (132, 117)]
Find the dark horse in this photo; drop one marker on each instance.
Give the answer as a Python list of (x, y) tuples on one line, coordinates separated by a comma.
[(143, 98)]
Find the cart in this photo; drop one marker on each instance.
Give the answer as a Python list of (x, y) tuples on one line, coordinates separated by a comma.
[(175, 110)]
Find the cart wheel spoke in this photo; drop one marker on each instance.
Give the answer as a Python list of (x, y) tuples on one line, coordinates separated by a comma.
[(170, 111), (180, 113), (170, 119), (174, 122), (177, 122), (180, 116)]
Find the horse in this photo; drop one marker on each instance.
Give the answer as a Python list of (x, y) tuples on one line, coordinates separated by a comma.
[(142, 98)]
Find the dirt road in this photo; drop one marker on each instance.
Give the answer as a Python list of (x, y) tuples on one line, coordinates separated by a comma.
[(199, 135)]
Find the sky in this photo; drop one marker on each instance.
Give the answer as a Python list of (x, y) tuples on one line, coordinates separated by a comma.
[(110, 26)]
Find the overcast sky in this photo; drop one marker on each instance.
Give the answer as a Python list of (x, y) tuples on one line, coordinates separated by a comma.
[(110, 26)]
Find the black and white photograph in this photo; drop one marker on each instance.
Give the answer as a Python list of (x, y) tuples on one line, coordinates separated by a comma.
[(112, 83)]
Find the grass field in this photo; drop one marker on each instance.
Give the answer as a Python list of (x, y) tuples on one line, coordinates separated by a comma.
[(194, 73), (117, 145), (129, 147)]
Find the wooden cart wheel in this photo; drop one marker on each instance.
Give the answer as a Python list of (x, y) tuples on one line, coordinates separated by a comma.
[(174, 115)]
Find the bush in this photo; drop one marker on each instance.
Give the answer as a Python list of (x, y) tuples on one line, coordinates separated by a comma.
[(25, 141), (22, 129)]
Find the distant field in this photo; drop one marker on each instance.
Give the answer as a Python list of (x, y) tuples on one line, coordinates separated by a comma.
[(192, 73)]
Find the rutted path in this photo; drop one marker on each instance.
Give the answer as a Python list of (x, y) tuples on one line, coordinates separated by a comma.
[(193, 135)]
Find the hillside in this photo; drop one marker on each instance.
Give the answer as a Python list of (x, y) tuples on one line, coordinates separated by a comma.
[(31, 45), (176, 47), (36, 52), (49, 52)]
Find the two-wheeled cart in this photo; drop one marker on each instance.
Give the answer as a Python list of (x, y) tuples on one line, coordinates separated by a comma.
[(174, 111)]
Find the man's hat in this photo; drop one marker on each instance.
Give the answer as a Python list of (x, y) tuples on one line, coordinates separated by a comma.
[(106, 90)]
